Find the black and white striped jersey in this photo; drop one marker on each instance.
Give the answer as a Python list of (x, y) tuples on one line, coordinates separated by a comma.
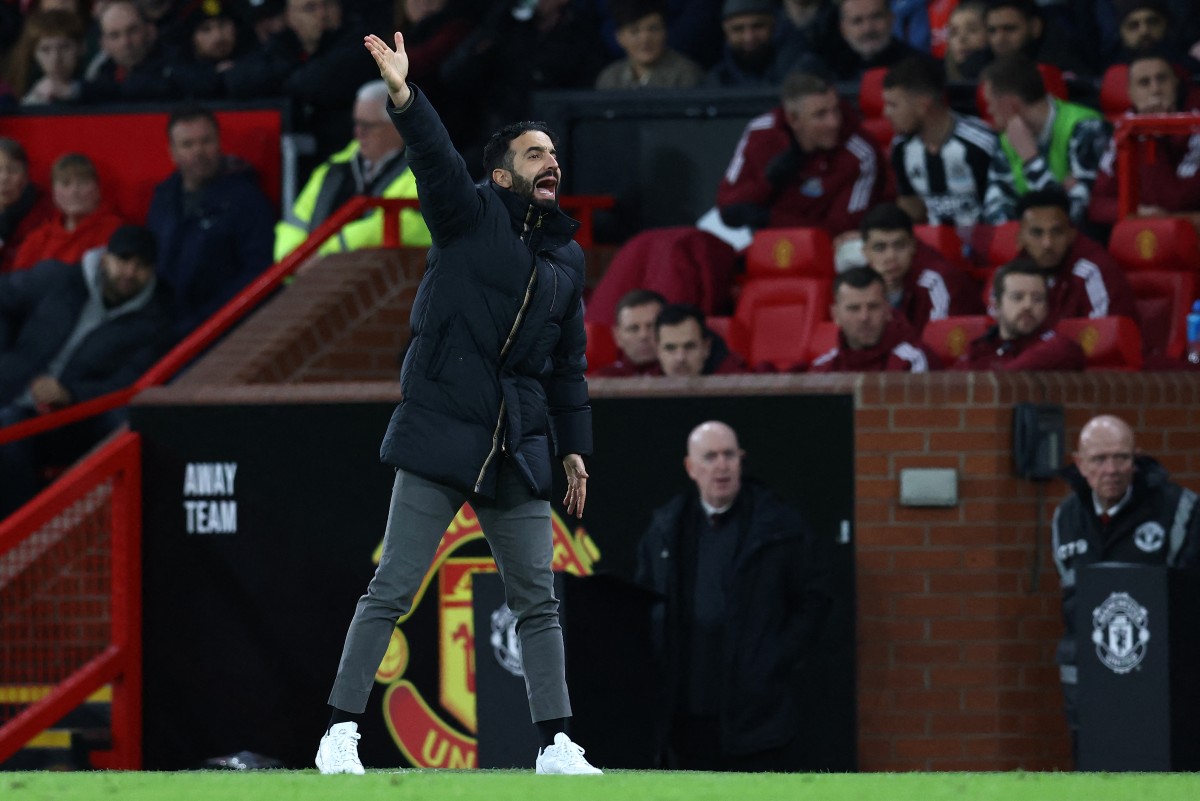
[(952, 181)]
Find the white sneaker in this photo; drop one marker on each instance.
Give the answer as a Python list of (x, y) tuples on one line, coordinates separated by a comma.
[(564, 757), (339, 750)]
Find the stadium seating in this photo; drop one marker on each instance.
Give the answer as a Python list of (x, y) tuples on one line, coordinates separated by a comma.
[(879, 130), (774, 317), (824, 338), (601, 349), (1163, 302), (719, 326), (950, 336), (870, 92), (1114, 91), (944, 239), (1155, 243), (1003, 246), (1109, 343), (781, 252)]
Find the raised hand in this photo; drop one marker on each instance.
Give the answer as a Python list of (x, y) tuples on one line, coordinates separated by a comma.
[(393, 66)]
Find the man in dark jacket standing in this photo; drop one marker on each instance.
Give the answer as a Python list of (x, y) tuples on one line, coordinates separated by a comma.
[(1123, 508), (70, 333), (744, 603), (493, 377)]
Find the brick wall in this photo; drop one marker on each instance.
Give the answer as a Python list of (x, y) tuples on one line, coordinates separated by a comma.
[(957, 608)]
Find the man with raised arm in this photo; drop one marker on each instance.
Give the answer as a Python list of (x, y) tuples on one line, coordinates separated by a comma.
[(492, 380)]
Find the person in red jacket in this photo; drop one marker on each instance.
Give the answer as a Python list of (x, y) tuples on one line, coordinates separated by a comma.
[(23, 206), (633, 332), (81, 220), (870, 338), (805, 163), (1084, 280), (1169, 183), (1021, 340), (921, 285)]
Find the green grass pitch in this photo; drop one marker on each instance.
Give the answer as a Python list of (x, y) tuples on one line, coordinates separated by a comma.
[(494, 785)]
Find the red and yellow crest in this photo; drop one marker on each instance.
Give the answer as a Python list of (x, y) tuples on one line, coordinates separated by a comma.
[(421, 734)]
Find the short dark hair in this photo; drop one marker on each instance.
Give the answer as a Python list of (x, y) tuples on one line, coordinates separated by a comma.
[(14, 150), (885, 217), (1051, 195), (918, 74), (799, 84), (1154, 52), (1015, 74), (627, 12), (857, 278), (1018, 266), (638, 297), (1027, 8), (189, 112), (676, 313), (496, 153)]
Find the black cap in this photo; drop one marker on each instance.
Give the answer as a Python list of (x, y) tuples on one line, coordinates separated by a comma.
[(134, 242)]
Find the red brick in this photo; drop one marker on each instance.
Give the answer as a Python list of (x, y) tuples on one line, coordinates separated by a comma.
[(926, 419), (962, 723), (963, 676), (926, 559), (972, 630), (940, 441), (987, 464), (928, 747), (928, 700), (876, 466), (867, 420), (890, 442), (896, 724), (891, 583), (926, 653), (988, 418), (927, 606), (891, 536), (907, 460)]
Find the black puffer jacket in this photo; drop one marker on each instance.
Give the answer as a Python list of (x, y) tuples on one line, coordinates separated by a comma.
[(495, 367), (1159, 525), (778, 606)]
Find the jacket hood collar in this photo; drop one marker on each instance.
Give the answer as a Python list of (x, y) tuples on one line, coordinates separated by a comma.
[(558, 227)]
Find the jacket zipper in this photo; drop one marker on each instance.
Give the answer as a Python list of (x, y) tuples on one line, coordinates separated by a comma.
[(508, 343)]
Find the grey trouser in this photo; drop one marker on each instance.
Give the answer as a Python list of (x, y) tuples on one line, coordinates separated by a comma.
[(517, 527)]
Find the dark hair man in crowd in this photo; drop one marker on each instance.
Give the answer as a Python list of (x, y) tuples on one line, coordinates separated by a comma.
[(1020, 339), (734, 563), (1123, 507), (212, 220), (921, 285), (686, 347), (633, 332), (940, 158), (1020, 26), (1043, 140), (751, 57), (70, 333), (1082, 277), (492, 382), (1168, 184), (870, 338)]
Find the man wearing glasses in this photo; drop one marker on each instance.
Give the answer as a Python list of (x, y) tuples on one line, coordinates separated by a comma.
[(1123, 508), (373, 164)]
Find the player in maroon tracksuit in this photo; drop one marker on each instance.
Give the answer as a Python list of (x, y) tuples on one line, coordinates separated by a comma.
[(1084, 280), (803, 164), (1168, 183), (921, 285), (1021, 340), (870, 339)]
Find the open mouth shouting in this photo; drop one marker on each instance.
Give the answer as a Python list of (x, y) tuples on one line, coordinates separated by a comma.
[(545, 188)]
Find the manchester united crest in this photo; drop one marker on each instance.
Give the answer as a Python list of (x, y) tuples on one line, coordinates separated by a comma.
[(1120, 630)]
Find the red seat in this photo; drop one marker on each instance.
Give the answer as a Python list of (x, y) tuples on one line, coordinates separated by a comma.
[(601, 349), (1163, 302), (870, 92), (951, 336), (1155, 243), (1003, 246), (1114, 91), (1109, 343), (879, 129), (1052, 79), (779, 252), (944, 239), (824, 338), (720, 326), (797, 305)]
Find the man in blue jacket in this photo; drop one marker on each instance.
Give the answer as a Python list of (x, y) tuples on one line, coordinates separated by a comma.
[(70, 333), (214, 225), (492, 379)]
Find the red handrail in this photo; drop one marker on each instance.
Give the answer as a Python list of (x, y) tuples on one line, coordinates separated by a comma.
[(1128, 135), (203, 336)]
